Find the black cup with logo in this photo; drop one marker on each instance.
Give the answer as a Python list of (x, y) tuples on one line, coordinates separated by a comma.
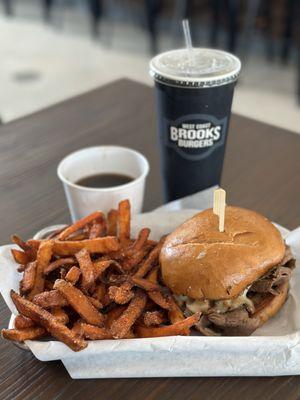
[(194, 98)]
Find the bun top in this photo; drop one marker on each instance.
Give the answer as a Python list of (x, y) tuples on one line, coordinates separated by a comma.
[(200, 262)]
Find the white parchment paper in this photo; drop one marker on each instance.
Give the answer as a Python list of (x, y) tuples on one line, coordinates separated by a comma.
[(274, 349)]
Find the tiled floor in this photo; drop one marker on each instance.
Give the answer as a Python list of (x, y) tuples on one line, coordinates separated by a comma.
[(41, 65)]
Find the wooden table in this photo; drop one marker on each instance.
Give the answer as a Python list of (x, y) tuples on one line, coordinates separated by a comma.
[(261, 172)]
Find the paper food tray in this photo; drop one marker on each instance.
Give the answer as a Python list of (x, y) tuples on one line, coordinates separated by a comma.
[(274, 349)]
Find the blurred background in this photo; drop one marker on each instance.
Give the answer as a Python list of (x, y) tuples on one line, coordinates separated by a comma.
[(51, 50)]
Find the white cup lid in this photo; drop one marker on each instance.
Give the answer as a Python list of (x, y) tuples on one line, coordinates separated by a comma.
[(202, 68)]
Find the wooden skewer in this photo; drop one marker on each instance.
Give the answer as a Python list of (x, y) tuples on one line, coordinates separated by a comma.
[(219, 207)]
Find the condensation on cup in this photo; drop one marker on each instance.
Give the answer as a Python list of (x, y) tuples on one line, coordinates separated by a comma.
[(194, 94)]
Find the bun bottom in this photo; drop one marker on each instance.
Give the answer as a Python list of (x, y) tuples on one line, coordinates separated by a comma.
[(238, 322), (270, 305)]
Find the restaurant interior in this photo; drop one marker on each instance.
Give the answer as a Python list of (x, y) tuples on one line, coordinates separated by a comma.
[(52, 50), (128, 249)]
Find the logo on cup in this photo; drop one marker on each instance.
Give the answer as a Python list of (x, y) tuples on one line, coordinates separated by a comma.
[(196, 136)]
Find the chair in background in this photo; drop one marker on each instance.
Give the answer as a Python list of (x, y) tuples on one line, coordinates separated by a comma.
[(47, 7), (229, 9), (251, 13), (95, 8), (152, 10), (290, 20), (7, 5), (96, 12)]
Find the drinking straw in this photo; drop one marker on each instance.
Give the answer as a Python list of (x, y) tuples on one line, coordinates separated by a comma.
[(188, 40)]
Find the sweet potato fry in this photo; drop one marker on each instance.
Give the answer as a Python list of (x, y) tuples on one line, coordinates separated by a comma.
[(73, 275), (175, 314), (113, 314), (101, 266), (121, 294), (123, 324), (78, 236), (98, 245), (112, 223), (59, 263), (79, 224), (22, 322), (153, 318), (50, 299), (94, 332), (20, 242), (98, 228), (156, 296), (27, 282), (28, 249), (179, 328), (20, 256), (140, 242), (110, 285), (60, 315), (145, 284), (99, 292), (159, 299), (43, 258), (129, 335), (87, 269), (117, 279), (63, 273), (95, 231), (96, 303), (133, 251), (48, 285), (79, 302), (34, 243), (19, 335), (54, 234), (103, 245), (151, 260), (130, 262), (45, 319), (76, 328), (101, 295), (153, 275), (124, 221), (152, 243), (85, 230)]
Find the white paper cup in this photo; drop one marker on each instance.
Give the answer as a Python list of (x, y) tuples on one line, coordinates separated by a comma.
[(97, 160)]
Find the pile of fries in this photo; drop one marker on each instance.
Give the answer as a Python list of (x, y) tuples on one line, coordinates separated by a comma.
[(92, 281)]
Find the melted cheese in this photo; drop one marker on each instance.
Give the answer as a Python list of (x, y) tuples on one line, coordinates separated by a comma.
[(220, 306)]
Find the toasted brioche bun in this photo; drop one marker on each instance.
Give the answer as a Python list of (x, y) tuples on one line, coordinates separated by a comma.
[(200, 262)]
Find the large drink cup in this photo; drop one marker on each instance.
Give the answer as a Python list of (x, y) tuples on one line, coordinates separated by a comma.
[(194, 92)]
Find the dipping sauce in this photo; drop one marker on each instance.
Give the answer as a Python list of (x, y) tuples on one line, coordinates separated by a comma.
[(105, 180)]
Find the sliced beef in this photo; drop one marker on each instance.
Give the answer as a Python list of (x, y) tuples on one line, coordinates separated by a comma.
[(205, 327), (239, 322), (234, 323), (271, 282), (288, 259)]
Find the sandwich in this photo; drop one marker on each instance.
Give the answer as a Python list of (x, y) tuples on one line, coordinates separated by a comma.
[(237, 279)]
